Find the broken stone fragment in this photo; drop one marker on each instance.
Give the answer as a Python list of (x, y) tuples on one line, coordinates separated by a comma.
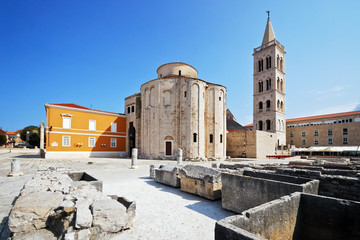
[(83, 214), (109, 215), (84, 234), (31, 210)]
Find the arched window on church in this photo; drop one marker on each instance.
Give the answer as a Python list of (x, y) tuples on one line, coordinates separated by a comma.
[(268, 105), (268, 124), (278, 84), (281, 64), (260, 106), (261, 86), (211, 138), (278, 61), (281, 85), (278, 104), (261, 65), (268, 84), (282, 106), (268, 62), (194, 137), (128, 109), (279, 125), (260, 125)]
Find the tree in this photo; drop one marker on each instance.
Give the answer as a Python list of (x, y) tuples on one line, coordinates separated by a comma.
[(31, 129), (2, 139), (34, 139)]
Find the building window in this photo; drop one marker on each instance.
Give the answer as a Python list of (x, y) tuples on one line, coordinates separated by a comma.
[(133, 109), (67, 122), (330, 133), (281, 64), (260, 125), (194, 137), (91, 142), (303, 142), (219, 98), (128, 109), (261, 86), (330, 141), (220, 138), (179, 72), (303, 133), (268, 62), (268, 125), (66, 141), (345, 131), (316, 141), (261, 65), (316, 133), (268, 105), (185, 94), (345, 140), (291, 134), (112, 142), (211, 138), (113, 127), (291, 142), (260, 106), (92, 125), (268, 84)]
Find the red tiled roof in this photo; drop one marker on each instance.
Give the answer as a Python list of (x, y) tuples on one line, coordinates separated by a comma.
[(8, 132), (323, 116), (73, 105), (317, 117)]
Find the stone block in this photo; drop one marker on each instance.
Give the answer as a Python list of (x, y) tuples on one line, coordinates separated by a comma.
[(168, 175), (83, 214), (109, 215), (31, 211)]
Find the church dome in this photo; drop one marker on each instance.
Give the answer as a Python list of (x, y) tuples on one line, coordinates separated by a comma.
[(176, 69)]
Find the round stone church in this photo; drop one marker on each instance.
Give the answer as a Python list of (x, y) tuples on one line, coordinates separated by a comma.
[(177, 110)]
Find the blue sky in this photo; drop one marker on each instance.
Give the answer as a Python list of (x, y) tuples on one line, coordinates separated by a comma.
[(96, 53)]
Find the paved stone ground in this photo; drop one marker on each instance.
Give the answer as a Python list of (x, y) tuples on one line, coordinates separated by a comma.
[(162, 212)]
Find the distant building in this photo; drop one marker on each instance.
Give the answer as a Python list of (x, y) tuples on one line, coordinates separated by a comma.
[(177, 110), (74, 131), (339, 129)]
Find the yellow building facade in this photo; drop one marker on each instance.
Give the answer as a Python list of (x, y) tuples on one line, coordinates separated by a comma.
[(74, 131)]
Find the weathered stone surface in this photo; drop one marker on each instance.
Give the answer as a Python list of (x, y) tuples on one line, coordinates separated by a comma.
[(69, 236), (84, 234), (168, 175), (83, 214), (200, 172), (41, 234), (109, 215), (31, 210)]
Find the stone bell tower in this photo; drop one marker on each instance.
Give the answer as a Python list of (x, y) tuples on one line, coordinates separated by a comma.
[(269, 86)]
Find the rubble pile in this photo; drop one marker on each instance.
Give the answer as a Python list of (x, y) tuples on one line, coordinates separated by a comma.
[(53, 206)]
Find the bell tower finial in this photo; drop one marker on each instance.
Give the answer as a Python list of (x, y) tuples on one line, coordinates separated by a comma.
[(268, 13)]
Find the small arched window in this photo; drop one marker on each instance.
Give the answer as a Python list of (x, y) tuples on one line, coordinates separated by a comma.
[(261, 65), (281, 64), (260, 125), (278, 61), (267, 104), (179, 72), (261, 86), (268, 124), (128, 109), (260, 106), (281, 85), (268, 84), (268, 62), (282, 106), (185, 94), (278, 103), (133, 109), (220, 138), (195, 137), (211, 138), (278, 84)]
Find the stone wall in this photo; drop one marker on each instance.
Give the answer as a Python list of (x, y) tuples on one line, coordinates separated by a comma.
[(298, 216), (254, 188)]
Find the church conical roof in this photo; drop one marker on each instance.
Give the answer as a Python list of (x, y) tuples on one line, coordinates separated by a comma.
[(269, 34)]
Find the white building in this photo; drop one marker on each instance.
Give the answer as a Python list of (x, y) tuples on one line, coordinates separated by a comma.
[(177, 110)]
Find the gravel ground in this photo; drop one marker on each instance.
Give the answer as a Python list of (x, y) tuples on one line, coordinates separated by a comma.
[(162, 212)]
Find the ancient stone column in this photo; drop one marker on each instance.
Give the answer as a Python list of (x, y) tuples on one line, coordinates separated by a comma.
[(42, 135), (15, 168), (179, 156), (134, 154), (152, 171)]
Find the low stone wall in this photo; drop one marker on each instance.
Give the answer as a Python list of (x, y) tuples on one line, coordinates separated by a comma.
[(241, 192), (202, 181), (298, 216), (168, 175), (330, 185), (53, 206)]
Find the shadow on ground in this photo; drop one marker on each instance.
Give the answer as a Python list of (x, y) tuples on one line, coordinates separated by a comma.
[(211, 209)]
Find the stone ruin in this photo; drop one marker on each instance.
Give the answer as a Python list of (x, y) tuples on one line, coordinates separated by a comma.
[(277, 201), (298, 216), (168, 175), (53, 206)]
